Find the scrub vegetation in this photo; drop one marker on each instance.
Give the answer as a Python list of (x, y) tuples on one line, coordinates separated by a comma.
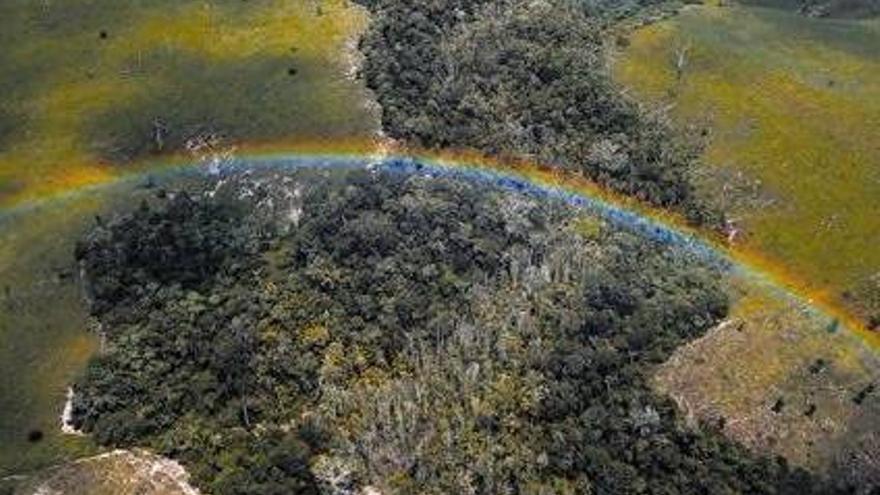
[(803, 404), (326, 332)]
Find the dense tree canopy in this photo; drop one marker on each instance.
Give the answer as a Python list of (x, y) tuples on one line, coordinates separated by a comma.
[(414, 334), (527, 79)]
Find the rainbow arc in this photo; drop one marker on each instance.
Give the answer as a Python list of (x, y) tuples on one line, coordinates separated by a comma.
[(517, 175)]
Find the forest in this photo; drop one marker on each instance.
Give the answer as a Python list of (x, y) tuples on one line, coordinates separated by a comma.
[(528, 79), (324, 332)]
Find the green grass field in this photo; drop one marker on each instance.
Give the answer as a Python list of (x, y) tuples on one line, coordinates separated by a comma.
[(794, 108), (89, 85)]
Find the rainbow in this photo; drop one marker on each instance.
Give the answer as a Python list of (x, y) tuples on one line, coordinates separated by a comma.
[(516, 175)]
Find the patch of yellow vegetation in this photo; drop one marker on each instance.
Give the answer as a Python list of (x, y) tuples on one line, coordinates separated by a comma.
[(589, 227), (652, 80), (794, 103), (798, 401), (315, 334)]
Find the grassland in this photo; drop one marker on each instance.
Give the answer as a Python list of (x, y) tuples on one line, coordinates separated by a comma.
[(794, 108), (91, 84)]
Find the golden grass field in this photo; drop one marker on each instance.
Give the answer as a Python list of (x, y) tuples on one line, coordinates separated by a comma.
[(794, 108)]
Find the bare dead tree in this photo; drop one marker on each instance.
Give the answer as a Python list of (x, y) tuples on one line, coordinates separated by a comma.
[(681, 61)]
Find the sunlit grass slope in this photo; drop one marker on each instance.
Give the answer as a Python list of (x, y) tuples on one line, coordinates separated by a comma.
[(794, 108), (89, 85)]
